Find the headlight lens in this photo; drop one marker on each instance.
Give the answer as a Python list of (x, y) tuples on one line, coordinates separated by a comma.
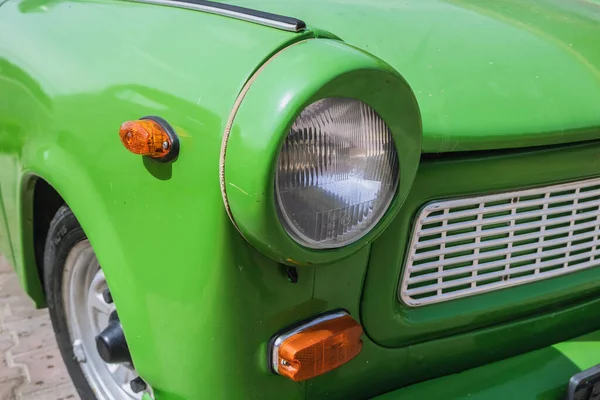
[(337, 173)]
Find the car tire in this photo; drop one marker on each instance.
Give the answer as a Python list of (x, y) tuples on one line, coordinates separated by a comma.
[(64, 233), (84, 316)]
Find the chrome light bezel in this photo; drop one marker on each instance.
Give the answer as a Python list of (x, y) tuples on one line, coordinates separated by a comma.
[(281, 336)]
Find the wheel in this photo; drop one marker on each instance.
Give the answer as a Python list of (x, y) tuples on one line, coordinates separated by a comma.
[(80, 308)]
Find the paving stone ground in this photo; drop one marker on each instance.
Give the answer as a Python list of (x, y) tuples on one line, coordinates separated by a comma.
[(31, 367)]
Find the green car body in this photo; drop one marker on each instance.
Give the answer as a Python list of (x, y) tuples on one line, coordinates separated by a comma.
[(481, 97)]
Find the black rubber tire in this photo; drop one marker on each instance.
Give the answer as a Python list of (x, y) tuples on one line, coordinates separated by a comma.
[(64, 233)]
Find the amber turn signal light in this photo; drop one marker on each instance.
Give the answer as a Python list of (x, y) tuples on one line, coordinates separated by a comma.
[(150, 136), (316, 347)]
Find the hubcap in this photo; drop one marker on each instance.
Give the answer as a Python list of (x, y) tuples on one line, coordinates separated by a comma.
[(87, 314)]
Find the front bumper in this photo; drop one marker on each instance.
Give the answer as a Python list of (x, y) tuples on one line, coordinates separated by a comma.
[(541, 374)]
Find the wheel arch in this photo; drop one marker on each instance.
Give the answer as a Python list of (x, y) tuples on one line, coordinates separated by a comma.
[(39, 204), (44, 189)]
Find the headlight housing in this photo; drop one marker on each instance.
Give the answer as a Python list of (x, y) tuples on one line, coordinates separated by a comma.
[(347, 102), (337, 173)]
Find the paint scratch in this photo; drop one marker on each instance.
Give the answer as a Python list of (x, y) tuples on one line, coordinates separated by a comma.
[(239, 188)]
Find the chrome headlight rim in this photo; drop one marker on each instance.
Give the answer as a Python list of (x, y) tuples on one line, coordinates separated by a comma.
[(284, 215), (266, 113)]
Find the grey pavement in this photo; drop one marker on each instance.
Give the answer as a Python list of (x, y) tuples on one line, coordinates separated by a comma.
[(31, 367)]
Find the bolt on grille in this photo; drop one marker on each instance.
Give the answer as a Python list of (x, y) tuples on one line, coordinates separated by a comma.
[(467, 246)]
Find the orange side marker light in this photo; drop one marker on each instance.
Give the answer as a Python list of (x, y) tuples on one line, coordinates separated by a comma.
[(150, 136), (316, 347)]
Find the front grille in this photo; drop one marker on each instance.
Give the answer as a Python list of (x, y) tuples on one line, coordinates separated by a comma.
[(467, 246)]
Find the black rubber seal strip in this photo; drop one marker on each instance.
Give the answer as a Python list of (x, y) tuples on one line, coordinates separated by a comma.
[(298, 24), (171, 155)]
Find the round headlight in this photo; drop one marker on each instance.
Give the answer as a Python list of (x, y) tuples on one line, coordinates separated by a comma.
[(337, 173)]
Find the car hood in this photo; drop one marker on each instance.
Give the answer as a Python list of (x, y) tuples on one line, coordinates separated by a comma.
[(487, 74)]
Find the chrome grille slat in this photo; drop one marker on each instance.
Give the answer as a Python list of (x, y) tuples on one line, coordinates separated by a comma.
[(494, 232), (517, 217), (467, 246), (505, 207), (532, 267), (502, 285), (508, 240), (482, 267), (478, 256)]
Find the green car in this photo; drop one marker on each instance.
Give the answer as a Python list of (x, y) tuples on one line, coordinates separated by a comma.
[(307, 199)]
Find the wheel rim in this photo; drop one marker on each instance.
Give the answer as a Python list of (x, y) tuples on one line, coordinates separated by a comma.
[(87, 315)]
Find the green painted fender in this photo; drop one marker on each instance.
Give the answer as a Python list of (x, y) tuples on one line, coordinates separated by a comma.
[(183, 279)]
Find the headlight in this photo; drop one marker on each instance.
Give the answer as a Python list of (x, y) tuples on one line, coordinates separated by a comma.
[(323, 158), (337, 173)]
